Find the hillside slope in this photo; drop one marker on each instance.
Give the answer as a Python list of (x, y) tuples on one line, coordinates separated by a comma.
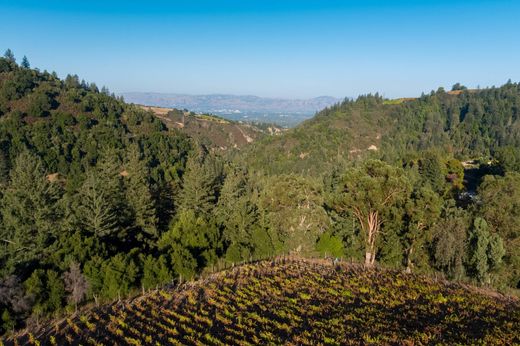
[(215, 132), (467, 123), (297, 301)]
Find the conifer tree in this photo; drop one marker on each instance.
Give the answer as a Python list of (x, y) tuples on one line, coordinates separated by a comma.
[(201, 183), (422, 210), (118, 275), (25, 62), (47, 291), (155, 272), (96, 211), (9, 55), (138, 195), (30, 211), (486, 250), (450, 242), (431, 169), (479, 241), (192, 242), (105, 199), (4, 168), (294, 207), (236, 214)]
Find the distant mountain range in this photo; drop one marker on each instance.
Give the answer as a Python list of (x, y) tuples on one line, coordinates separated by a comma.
[(287, 112)]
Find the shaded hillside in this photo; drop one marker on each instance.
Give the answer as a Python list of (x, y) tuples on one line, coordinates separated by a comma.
[(84, 177), (296, 301), (466, 123), (69, 123), (214, 131)]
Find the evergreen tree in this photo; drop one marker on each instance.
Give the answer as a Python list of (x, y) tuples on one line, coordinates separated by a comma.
[(450, 240), (118, 275), (422, 210), (102, 209), (25, 62), (192, 243), (96, 211), (155, 272), (30, 211), (138, 195), (9, 55), (4, 168), (330, 245), (47, 291), (500, 207), (201, 183), (495, 252), (236, 214), (479, 242), (431, 169), (486, 250)]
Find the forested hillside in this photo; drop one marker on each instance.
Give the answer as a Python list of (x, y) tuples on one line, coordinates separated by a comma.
[(465, 123), (87, 183), (100, 200)]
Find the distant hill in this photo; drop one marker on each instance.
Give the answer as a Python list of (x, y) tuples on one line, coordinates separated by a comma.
[(217, 133), (287, 112), (296, 302)]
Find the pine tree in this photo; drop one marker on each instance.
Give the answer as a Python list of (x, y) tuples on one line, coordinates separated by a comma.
[(486, 250), (9, 55), (201, 183), (96, 212), (236, 214), (191, 242), (25, 62), (102, 210), (29, 210), (479, 242), (118, 273), (138, 195), (155, 272)]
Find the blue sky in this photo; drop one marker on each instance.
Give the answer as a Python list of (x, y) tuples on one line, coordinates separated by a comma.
[(278, 48)]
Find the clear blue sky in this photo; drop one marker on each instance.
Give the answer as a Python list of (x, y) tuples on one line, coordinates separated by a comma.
[(269, 48)]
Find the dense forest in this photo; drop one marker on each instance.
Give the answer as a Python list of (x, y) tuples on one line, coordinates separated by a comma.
[(465, 124), (99, 199)]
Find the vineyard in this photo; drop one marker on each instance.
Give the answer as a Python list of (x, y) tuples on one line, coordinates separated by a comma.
[(296, 302)]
